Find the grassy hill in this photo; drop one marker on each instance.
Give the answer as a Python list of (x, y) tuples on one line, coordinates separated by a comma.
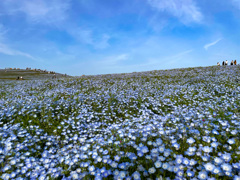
[(12, 74), (162, 124)]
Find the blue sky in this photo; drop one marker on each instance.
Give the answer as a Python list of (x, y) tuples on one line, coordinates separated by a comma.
[(116, 36)]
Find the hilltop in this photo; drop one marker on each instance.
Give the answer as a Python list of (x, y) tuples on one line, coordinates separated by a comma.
[(28, 74)]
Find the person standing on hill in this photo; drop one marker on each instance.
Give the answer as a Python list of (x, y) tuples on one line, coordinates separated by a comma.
[(218, 64), (223, 63), (235, 62), (231, 62), (226, 62)]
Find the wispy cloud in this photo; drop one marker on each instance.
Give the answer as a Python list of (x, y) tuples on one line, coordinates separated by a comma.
[(4, 49), (211, 44), (172, 59), (87, 36), (113, 60), (185, 10), (3, 31), (39, 11), (236, 3)]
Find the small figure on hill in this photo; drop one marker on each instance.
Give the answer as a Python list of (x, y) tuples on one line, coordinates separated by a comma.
[(54, 76), (21, 78), (235, 62), (231, 62), (17, 78), (226, 62), (218, 64), (223, 63)]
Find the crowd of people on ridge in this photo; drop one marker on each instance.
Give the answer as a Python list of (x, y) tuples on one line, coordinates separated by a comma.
[(225, 63)]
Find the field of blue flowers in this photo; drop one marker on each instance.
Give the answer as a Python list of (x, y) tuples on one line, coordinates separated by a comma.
[(168, 124)]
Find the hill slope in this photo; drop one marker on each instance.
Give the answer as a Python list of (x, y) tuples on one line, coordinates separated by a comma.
[(13, 74)]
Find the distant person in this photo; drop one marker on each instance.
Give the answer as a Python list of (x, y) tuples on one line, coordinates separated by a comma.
[(223, 63), (231, 62), (235, 62), (218, 64), (226, 62), (17, 78)]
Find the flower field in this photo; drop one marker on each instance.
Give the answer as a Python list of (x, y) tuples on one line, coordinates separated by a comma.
[(167, 124)]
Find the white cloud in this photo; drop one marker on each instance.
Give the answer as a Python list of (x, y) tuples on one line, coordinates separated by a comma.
[(4, 49), (87, 36), (211, 44), (113, 60), (173, 59), (185, 10), (39, 11), (3, 31)]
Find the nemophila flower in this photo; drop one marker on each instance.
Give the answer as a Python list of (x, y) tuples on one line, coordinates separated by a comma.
[(190, 173), (122, 174), (207, 149), (136, 175), (186, 161), (190, 140), (231, 141), (149, 143), (214, 144), (161, 149), (165, 165), (140, 153), (167, 152), (91, 168), (151, 170), (192, 149), (114, 164), (161, 158), (202, 175), (148, 157), (205, 158), (175, 169), (74, 175), (116, 158), (116, 172), (236, 177), (226, 156), (159, 141), (176, 145), (158, 164), (218, 160), (229, 174), (144, 149), (209, 167), (179, 159), (226, 167)]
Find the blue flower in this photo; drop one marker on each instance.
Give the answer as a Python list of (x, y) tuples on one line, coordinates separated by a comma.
[(190, 173), (144, 149), (226, 156), (152, 170), (202, 175), (190, 140), (216, 170), (180, 173), (226, 167), (136, 175), (158, 164), (209, 167)]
